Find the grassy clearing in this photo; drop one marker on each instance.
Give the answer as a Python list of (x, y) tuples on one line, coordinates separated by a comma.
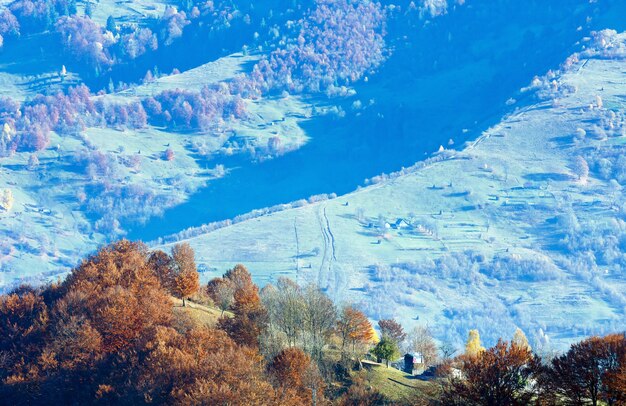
[(198, 314), (397, 386)]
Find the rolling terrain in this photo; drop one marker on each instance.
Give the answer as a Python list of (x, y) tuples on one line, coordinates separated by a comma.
[(493, 235), (181, 122)]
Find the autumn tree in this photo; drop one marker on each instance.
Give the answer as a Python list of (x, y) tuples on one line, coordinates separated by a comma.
[(616, 380), (163, 267), (222, 290), (586, 373), (392, 329), (386, 349), (293, 369), (117, 291), (168, 154), (187, 280), (86, 328), (249, 318), (24, 319), (500, 375), (473, 345), (519, 339), (239, 276), (202, 366), (354, 330)]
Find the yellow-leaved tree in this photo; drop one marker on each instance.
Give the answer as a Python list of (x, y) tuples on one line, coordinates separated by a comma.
[(473, 347), (519, 339)]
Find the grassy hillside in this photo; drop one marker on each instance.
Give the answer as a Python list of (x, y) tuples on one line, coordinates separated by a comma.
[(199, 315), (397, 385), (480, 237), (61, 197)]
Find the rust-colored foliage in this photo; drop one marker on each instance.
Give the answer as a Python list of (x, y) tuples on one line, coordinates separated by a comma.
[(163, 267), (184, 257), (591, 371), (186, 284), (203, 366), (187, 280), (500, 375), (121, 296), (239, 276), (289, 367), (392, 329), (69, 343), (222, 290), (293, 370), (249, 320), (354, 328), (106, 335), (23, 319)]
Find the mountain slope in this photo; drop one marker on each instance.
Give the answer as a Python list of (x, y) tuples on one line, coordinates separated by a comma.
[(510, 231)]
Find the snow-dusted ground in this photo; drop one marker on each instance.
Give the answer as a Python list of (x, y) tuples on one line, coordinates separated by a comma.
[(493, 217), (49, 228)]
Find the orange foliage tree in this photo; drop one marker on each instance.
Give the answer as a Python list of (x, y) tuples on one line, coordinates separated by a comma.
[(222, 293), (222, 290), (187, 280), (249, 319), (591, 371), (354, 329), (500, 375), (24, 320), (118, 294), (203, 366), (163, 267), (69, 339), (293, 370)]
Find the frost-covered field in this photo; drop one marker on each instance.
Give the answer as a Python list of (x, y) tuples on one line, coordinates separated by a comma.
[(72, 200), (523, 227)]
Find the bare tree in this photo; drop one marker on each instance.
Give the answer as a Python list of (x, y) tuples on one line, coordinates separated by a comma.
[(222, 292), (286, 309), (447, 350), (421, 340), (319, 317)]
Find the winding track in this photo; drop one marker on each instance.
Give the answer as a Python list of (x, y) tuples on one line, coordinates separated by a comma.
[(332, 237), (329, 255)]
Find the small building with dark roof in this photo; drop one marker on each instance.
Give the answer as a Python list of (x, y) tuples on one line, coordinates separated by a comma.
[(414, 363)]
